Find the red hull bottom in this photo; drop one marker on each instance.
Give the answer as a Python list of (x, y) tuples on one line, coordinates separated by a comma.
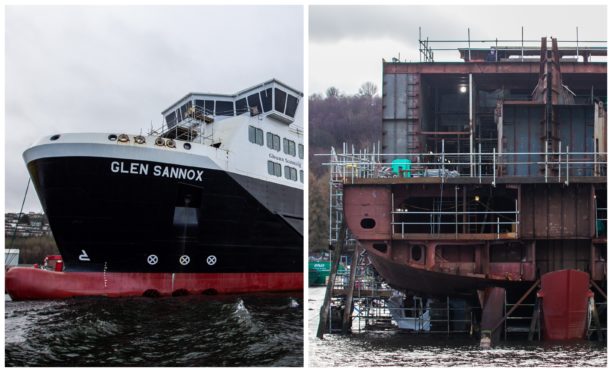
[(25, 283), (565, 296)]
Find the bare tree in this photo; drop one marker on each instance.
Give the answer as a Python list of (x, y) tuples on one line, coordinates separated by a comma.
[(368, 89), (332, 92)]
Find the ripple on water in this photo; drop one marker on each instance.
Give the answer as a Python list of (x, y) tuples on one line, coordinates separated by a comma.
[(390, 348), (187, 331)]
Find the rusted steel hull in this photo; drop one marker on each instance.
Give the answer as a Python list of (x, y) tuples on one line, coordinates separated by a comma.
[(422, 281), (565, 295), (554, 230)]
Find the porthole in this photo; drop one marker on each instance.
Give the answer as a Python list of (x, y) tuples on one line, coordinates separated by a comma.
[(368, 223), (112, 137), (55, 137), (381, 247), (187, 146), (416, 252)]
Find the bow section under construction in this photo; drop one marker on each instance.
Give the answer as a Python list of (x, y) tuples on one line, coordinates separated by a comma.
[(490, 183)]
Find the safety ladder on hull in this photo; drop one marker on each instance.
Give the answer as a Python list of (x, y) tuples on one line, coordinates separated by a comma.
[(525, 319)]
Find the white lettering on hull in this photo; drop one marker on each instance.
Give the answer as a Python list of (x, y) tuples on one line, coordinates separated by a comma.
[(166, 171)]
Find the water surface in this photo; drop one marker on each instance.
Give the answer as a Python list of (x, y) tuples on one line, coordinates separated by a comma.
[(396, 348), (254, 330)]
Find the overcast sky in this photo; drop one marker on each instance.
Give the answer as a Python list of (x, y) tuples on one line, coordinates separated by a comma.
[(114, 69), (348, 43), (111, 69)]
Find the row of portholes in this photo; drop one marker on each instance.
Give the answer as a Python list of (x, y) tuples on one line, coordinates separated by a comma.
[(159, 141), (416, 251), (184, 260)]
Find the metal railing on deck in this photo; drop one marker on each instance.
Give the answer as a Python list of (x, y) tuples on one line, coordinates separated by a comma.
[(435, 221), (558, 166)]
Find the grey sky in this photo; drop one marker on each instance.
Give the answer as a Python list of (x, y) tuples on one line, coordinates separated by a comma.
[(114, 69), (347, 43)]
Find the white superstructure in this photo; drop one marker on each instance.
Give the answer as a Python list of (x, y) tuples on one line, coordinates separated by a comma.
[(259, 131)]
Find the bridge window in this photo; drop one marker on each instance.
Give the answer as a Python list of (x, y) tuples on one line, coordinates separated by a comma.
[(209, 107), (253, 100), (225, 108), (241, 106), (266, 99), (199, 105), (292, 103), (171, 119), (279, 100), (185, 110)]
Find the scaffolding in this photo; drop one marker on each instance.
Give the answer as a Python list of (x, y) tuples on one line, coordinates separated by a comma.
[(191, 128), (509, 50), (554, 166), (370, 308), (342, 165)]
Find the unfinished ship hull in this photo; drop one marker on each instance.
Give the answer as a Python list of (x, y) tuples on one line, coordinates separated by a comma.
[(483, 182), (460, 257)]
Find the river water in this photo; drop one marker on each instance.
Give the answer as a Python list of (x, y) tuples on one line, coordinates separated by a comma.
[(393, 348), (254, 330)]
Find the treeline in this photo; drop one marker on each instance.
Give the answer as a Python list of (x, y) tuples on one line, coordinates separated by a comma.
[(33, 250), (333, 119)]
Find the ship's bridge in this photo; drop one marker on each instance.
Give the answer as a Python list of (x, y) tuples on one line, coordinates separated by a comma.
[(271, 98)]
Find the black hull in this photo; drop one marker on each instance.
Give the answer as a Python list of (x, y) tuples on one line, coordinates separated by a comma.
[(114, 220)]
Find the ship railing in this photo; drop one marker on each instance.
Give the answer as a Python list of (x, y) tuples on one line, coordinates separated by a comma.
[(499, 222), (555, 167), (509, 50)]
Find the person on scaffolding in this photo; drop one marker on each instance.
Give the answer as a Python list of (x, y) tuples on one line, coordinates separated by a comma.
[(492, 56)]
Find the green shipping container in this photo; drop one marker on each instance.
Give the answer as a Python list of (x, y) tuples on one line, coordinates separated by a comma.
[(318, 271)]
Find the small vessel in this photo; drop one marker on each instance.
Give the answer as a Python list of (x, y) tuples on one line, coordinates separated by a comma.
[(210, 203)]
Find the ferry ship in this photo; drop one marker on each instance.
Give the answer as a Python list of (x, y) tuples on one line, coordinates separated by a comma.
[(211, 203)]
